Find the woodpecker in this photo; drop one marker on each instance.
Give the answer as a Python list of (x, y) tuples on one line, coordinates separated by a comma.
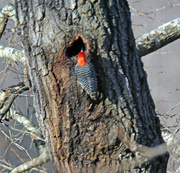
[(86, 75)]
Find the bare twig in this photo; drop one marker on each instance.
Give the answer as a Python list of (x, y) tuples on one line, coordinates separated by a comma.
[(43, 158), (5, 164), (141, 13), (36, 134), (7, 97), (172, 109), (15, 143), (6, 167), (164, 7)]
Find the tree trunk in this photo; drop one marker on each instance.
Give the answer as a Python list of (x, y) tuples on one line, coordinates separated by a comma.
[(82, 134)]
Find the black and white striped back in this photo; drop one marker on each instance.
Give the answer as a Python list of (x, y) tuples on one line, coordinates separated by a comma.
[(86, 76)]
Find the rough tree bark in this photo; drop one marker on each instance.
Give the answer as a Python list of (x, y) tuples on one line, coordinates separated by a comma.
[(82, 134)]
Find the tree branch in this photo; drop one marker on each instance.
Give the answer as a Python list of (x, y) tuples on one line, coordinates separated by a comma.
[(12, 54), (143, 153), (6, 13), (43, 158), (36, 135), (171, 141), (159, 37), (7, 97)]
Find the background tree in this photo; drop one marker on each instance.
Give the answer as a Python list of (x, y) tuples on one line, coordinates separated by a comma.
[(82, 134)]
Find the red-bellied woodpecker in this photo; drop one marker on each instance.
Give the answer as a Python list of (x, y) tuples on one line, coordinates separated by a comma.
[(86, 75)]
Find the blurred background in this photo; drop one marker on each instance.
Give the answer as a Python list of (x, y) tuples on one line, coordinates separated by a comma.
[(162, 67)]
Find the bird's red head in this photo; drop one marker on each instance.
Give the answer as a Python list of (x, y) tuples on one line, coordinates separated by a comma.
[(81, 59)]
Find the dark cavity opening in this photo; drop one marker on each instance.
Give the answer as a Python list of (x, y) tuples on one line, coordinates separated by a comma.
[(75, 47)]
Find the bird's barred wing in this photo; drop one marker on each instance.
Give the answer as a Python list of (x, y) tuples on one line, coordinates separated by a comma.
[(86, 76)]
